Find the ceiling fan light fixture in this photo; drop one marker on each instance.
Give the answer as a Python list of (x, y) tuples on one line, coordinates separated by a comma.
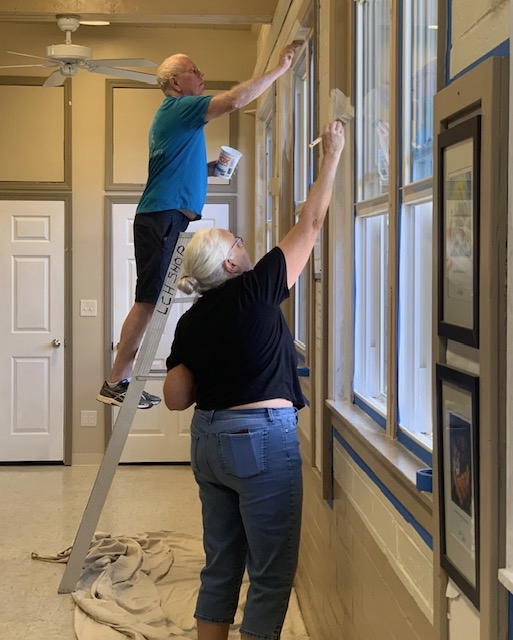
[(95, 23)]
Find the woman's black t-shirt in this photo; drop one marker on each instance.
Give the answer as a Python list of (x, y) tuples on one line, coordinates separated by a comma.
[(236, 342)]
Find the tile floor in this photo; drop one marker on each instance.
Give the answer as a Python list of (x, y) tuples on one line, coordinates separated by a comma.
[(40, 510)]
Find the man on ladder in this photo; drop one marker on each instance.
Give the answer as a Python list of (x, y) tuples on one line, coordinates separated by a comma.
[(174, 194)]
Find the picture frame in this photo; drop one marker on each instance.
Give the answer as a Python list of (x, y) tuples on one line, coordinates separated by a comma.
[(459, 176), (458, 477)]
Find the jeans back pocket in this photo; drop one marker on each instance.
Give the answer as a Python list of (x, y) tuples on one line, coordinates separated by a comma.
[(243, 454)]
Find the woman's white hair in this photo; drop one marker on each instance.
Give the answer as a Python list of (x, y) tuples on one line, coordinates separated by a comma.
[(203, 260), (169, 68)]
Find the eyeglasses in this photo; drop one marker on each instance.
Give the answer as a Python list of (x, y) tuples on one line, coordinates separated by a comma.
[(194, 70), (239, 242)]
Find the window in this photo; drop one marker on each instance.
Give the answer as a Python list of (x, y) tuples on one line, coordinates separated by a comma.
[(419, 82), (371, 259), (415, 245), (415, 321), (303, 129), (373, 88), (268, 174), (372, 177), (412, 151)]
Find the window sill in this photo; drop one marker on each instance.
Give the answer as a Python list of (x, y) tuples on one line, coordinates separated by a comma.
[(506, 579), (395, 466)]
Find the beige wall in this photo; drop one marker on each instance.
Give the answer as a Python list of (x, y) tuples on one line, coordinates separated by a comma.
[(348, 585), (478, 26), (238, 49)]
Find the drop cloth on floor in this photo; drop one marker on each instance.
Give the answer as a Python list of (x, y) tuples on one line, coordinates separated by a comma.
[(144, 587)]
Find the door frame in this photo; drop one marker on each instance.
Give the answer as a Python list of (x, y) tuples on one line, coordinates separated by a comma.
[(65, 197), (109, 201)]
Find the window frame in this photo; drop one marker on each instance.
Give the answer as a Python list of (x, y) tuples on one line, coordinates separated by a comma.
[(303, 284), (399, 196)]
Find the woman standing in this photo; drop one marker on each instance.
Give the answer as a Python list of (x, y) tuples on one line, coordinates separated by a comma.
[(234, 356)]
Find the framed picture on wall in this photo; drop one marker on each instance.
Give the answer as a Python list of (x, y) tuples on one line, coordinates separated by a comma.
[(459, 152), (458, 477)]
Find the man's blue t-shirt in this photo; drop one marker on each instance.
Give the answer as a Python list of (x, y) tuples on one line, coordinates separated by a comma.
[(177, 168)]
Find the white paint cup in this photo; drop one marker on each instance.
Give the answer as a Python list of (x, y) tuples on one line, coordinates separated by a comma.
[(227, 161)]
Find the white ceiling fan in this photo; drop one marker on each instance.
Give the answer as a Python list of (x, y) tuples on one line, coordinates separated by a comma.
[(72, 57)]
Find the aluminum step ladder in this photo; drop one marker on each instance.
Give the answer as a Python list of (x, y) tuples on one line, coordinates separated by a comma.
[(124, 420)]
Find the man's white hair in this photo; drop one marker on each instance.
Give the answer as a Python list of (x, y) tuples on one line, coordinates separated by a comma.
[(203, 261), (169, 68)]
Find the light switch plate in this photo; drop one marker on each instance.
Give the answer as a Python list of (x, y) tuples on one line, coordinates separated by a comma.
[(88, 418), (88, 307)]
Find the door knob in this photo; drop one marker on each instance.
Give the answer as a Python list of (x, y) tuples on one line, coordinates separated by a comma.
[(56, 342)]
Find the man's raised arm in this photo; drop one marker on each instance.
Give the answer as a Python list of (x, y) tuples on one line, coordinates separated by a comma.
[(245, 92)]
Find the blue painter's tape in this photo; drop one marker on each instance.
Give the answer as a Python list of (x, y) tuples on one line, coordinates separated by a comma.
[(448, 42), (501, 50), (425, 535), (413, 446), (510, 621), (370, 412), (425, 480)]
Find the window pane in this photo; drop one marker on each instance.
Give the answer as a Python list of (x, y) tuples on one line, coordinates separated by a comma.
[(268, 172), (303, 92), (372, 108), (269, 135), (415, 310), (300, 131), (419, 77), (301, 308), (371, 266)]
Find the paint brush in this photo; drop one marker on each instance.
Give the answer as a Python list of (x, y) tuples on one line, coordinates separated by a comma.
[(319, 139)]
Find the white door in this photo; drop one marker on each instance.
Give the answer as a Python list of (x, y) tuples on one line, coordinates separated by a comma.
[(32, 318), (157, 435)]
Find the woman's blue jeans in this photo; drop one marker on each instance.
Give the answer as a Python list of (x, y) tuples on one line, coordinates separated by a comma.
[(248, 468)]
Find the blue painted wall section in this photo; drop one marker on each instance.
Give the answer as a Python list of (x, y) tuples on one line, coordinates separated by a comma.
[(425, 535)]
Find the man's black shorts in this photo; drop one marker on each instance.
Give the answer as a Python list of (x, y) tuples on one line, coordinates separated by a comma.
[(155, 237)]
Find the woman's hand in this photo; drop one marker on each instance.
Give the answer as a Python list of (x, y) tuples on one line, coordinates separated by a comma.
[(333, 138)]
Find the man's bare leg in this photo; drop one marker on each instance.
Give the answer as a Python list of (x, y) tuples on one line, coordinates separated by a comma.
[(212, 630), (132, 333)]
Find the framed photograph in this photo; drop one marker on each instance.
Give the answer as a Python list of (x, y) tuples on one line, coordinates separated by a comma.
[(459, 152), (458, 477)]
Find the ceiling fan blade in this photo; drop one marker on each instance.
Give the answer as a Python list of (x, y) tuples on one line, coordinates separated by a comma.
[(56, 79), (125, 62), (28, 55), (17, 66), (149, 78)]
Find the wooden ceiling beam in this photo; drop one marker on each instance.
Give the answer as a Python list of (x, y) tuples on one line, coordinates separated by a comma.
[(143, 12)]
